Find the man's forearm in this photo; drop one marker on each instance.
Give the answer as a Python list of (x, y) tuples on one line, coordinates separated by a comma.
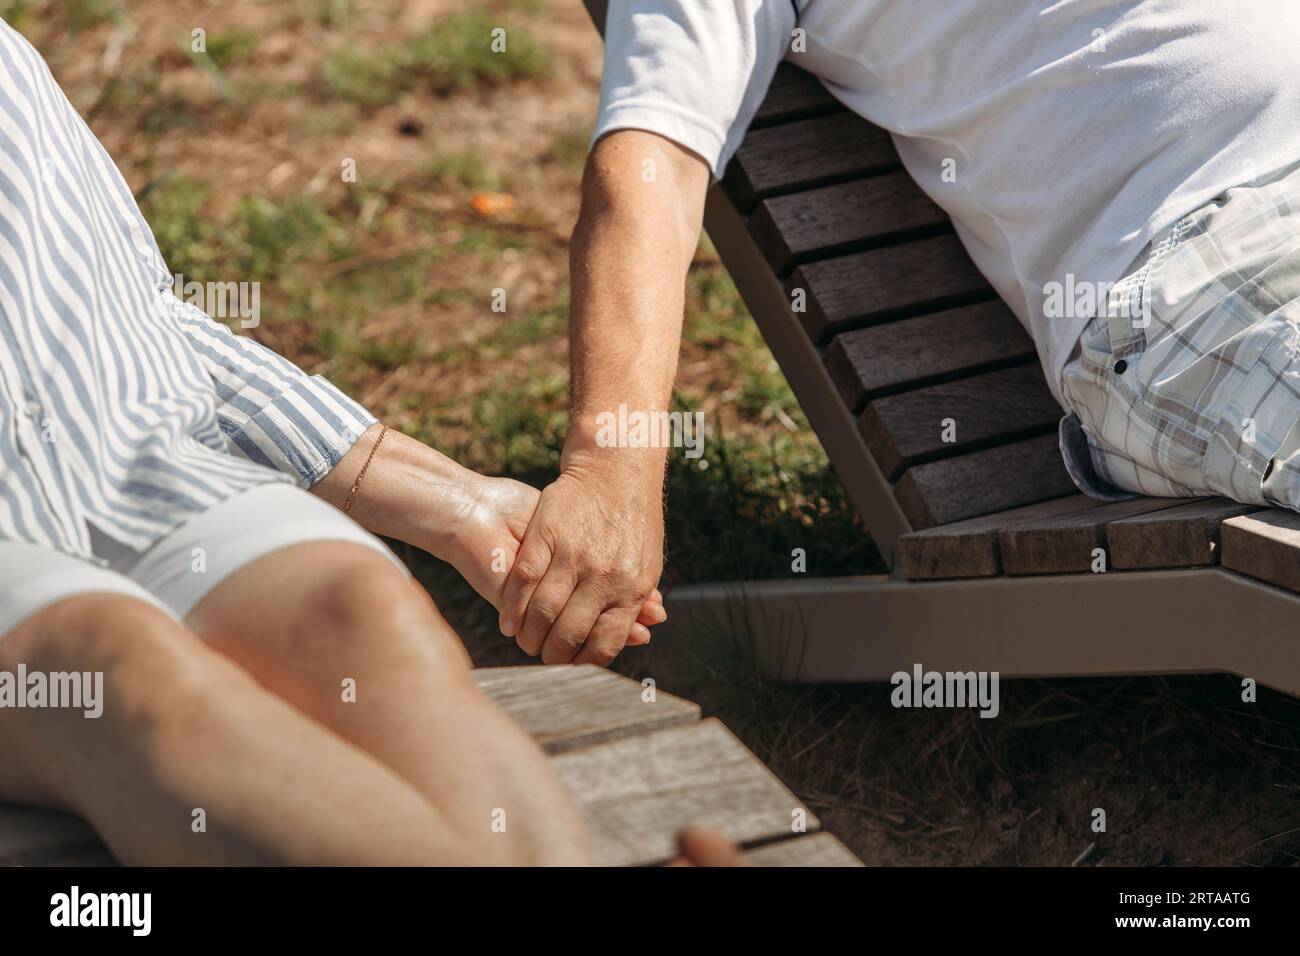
[(635, 238)]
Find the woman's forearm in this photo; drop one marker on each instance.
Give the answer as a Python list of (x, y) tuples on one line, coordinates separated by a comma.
[(409, 492)]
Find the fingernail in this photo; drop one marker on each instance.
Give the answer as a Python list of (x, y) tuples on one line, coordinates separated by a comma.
[(508, 628)]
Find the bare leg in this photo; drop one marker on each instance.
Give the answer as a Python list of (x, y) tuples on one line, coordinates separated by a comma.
[(313, 620), (184, 729)]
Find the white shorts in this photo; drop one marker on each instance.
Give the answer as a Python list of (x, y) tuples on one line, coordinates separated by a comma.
[(186, 563)]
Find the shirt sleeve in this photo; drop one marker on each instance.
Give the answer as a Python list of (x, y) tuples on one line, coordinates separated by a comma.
[(693, 71), (271, 411)]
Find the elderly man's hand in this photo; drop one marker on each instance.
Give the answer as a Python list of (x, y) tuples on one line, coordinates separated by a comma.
[(590, 559)]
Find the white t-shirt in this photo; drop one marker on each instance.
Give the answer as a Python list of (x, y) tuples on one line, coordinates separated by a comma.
[(1073, 130)]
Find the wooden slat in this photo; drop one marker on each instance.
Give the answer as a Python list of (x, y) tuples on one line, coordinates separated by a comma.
[(567, 707), (1264, 546), (816, 849), (925, 349), (995, 479), (32, 837), (1064, 544), (807, 153), (1182, 537), (969, 549), (853, 291), (994, 408), (794, 94), (636, 794), (843, 218)]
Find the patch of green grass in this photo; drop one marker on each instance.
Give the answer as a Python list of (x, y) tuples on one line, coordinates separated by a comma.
[(326, 122), (221, 51), (365, 76), (484, 239), (260, 240), (465, 169), (15, 12), (716, 318), (520, 427), (569, 149), (173, 206), (140, 100), (342, 344), (739, 512), (84, 14), (330, 13), (474, 47), (269, 236), (231, 45), (458, 52), (537, 326)]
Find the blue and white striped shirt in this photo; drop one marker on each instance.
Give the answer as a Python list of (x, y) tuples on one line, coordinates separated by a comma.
[(122, 406)]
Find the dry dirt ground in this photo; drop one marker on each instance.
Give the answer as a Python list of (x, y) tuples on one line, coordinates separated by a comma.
[(467, 182)]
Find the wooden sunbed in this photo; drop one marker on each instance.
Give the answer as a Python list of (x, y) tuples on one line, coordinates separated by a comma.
[(639, 770), (886, 332)]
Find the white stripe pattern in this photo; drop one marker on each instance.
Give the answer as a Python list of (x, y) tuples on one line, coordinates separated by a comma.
[(121, 406)]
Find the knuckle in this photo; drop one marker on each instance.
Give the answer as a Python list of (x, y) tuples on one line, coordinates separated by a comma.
[(543, 611), (604, 655), (561, 647), (528, 572)]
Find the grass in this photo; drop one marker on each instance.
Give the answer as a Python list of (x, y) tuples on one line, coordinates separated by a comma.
[(456, 53), (466, 170), (75, 16), (260, 240), (230, 46)]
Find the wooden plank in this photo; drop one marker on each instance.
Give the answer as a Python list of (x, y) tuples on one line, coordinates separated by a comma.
[(1264, 546), (636, 794), (1064, 544), (567, 707), (995, 479), (33, 837), (816, 849), (807, 153), (794, 94), (845, 217), (853, 291), (1182, 537), (969, 549), (925, 349), (956, 418)]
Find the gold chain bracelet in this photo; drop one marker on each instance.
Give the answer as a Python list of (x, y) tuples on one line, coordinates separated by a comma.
[(347, 505)]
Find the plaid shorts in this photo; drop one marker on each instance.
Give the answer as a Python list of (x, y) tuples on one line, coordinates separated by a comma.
[(1187, 380)]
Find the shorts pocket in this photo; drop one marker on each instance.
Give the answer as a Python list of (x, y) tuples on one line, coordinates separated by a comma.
[(1250, 417)]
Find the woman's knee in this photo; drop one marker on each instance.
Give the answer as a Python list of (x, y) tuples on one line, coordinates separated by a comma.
[(368, 605), (101, 633)]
